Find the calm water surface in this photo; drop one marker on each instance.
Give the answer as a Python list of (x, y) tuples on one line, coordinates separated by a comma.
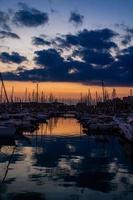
[(59, 162)]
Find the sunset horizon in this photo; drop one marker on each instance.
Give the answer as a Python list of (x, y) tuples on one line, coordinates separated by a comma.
[(66, 90), (83, 48)]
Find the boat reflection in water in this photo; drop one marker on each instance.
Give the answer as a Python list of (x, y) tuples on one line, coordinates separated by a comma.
[(61, 127), (59, 162)]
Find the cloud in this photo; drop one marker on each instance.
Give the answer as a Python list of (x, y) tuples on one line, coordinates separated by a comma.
[(76, 71), (95, 58), (92, 39), (126, 39), (4, 19), (76, 18), (21, 69), (129, 36), (14, 57), (30, 17), (38, 41), (129, 30), (53, 67), (128, 33), (125, 59), (95, 61), (48, 57), (7, 34)]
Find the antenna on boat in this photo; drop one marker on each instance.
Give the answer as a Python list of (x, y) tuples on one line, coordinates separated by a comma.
[(3, 85)]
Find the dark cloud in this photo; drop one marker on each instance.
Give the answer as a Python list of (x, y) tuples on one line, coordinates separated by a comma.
[(4, 19), (53, 67), (14, 57), (128, 33), (95, 61), (38, 41), (53, 10), (30, 17), (125, 59), (76, 18), (23, 5), (94, 39), (76, 71), (125, 28), (121, 25), (129, 30), (7, 34), (126, 39), (21, 68), (11, 76), (121, 71), (48, 57), (95, 58)]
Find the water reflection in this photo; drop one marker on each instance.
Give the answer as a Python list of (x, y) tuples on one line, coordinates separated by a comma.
[(59, 162), (59, 127)]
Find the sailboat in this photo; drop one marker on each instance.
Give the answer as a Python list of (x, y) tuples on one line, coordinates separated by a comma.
[(6, 131), (126, 128)]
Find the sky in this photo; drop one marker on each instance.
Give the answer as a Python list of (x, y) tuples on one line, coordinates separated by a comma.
[(67, 43)]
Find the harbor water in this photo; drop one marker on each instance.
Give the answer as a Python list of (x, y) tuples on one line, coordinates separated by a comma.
[(60, 162)]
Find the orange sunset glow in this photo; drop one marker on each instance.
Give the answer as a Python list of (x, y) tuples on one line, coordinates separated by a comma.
[(64, 90)]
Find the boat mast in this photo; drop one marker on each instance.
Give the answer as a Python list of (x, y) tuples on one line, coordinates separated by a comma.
[(37, 93), (26, 95), (9, 162), (12, 94), (1, 94), (3, 85), (103, 91)]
